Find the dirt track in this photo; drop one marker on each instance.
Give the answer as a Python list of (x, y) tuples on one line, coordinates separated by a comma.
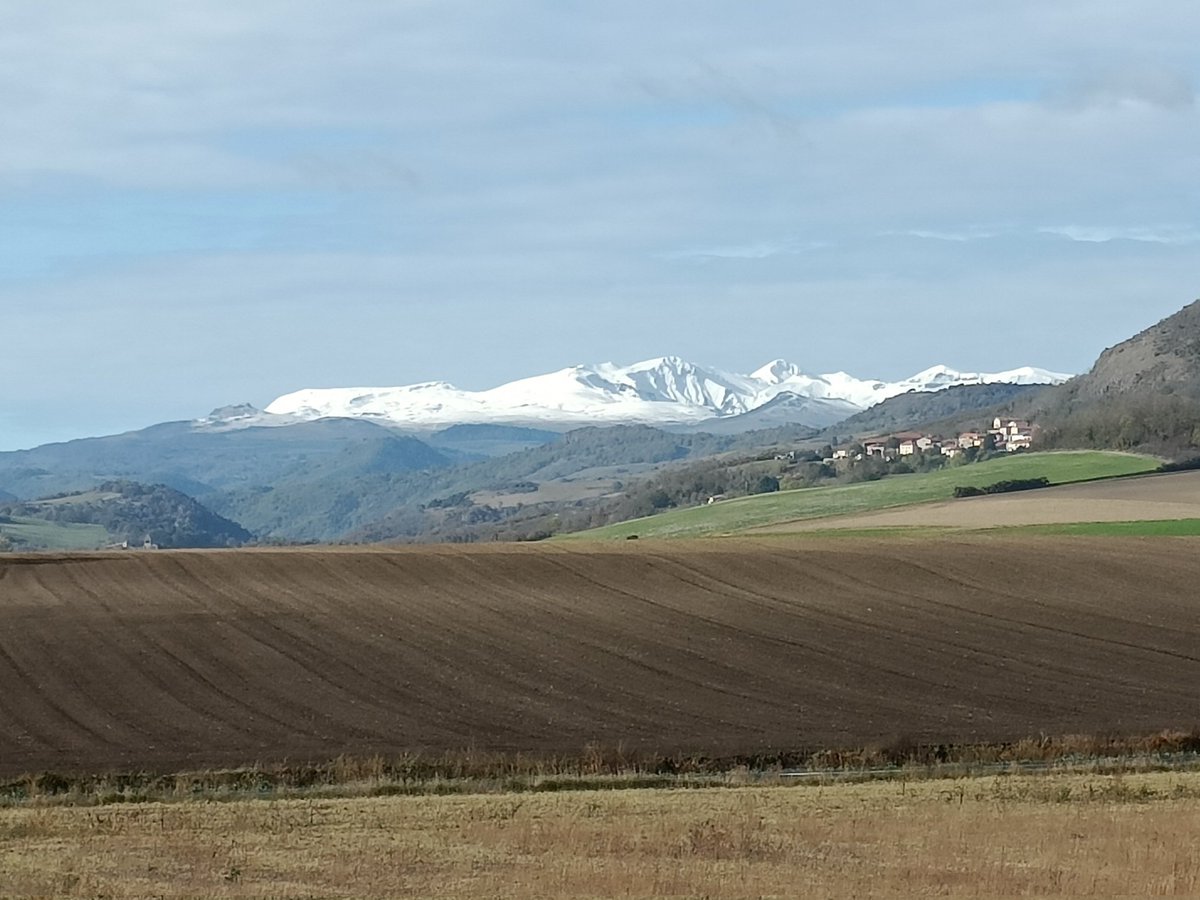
[(166, 660), (1135, 499)]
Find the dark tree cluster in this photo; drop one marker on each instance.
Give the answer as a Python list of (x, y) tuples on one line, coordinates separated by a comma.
[(131, 511)]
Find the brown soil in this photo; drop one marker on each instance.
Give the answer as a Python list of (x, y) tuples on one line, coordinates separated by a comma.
[(171, 660), (1138, 499)]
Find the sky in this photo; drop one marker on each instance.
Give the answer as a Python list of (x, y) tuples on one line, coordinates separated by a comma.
[(204, 203)]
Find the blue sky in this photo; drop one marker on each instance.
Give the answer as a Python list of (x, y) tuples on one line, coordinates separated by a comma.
[(213, 202)]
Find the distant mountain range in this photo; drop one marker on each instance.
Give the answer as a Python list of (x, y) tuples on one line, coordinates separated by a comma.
[(557, 451), (539, 455), (663, 392), (354, 463)]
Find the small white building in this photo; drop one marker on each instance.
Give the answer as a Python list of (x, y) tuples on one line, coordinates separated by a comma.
[(1011, 434)]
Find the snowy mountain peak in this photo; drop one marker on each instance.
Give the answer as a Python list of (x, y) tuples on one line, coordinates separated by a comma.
[(937, 376), (933, 372), (665, 390), (776, 371), (662, 363), (1031, 375)]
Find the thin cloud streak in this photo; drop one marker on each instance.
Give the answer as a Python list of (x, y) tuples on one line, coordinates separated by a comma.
[(1163, 234)]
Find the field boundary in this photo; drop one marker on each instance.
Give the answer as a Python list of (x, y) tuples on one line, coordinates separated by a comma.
[(468, 773)]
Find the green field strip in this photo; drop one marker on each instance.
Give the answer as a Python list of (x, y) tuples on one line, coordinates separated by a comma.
[(1129, 528), (39, 534), (745, 513), (1133, 528)]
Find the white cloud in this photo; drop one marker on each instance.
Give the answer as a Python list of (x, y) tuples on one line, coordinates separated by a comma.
[(957, 237)]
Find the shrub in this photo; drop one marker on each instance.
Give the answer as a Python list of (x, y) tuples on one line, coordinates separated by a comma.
[(1181, 465), (1003, 487)]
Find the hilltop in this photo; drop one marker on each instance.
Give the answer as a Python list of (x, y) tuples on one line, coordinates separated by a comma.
[(1142, 393), (950, 410), (117, 512)]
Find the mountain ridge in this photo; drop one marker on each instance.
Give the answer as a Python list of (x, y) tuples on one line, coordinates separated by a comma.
[(1143, 393), (663, 391)]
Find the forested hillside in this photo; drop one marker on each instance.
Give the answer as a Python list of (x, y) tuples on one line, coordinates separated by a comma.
[(1144, 394), (957, 407), (133, 512)]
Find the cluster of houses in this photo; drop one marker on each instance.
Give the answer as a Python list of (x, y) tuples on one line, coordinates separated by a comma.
[(1005, 434), (147, 544)]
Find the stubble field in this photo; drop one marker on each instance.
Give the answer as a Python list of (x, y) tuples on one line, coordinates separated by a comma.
[(172, 660), (1080, 835)]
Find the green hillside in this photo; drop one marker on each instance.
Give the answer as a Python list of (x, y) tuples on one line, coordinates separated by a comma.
[(732, 516), (21, 533), (116, 511)]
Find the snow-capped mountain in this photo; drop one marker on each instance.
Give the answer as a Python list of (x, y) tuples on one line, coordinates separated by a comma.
[(665, 391)]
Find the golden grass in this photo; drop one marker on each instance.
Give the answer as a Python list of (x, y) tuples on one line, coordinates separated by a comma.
[(1012, 835)]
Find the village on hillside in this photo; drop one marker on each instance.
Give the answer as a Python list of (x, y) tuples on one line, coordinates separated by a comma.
[(1005, 434)]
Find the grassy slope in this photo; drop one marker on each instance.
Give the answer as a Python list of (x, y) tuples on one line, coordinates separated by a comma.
[(732, 516), (43, 535)]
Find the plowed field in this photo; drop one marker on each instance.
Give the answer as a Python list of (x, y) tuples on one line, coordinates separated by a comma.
[(167, 660)]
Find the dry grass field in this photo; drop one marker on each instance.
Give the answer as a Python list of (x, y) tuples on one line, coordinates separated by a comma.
[(1080, 835), (172, 660), (1174, 495)]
